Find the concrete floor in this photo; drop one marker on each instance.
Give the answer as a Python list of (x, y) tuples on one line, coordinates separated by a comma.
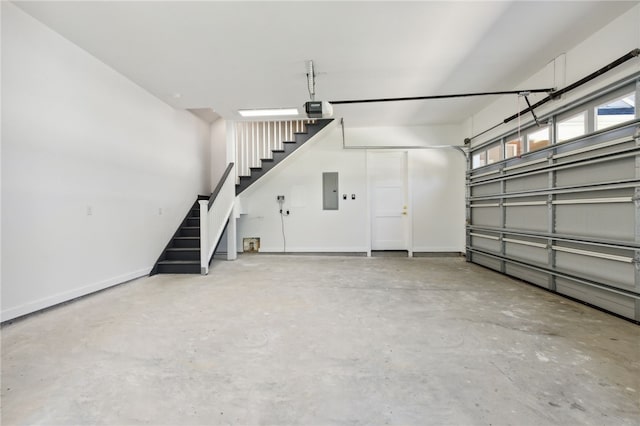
[(312, 340)]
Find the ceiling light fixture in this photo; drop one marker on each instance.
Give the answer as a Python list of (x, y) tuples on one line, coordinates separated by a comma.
[(272, 112)]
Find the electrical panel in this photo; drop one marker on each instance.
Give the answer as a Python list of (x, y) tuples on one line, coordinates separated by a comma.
[(330, 191)]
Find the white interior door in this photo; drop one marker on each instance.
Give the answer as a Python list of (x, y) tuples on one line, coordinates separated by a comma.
[(389, 207)]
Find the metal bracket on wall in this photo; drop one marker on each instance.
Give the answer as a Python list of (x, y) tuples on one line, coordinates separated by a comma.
[(526, 98)]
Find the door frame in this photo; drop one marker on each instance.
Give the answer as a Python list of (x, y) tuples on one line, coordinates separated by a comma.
[(408, 194)]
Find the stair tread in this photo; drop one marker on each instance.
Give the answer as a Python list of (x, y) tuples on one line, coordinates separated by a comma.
[(186, 238), (179, 262), (183, 249)]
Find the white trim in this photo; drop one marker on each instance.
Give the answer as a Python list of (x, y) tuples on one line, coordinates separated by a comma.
[(595, 200), (594, 254), (488, 237), (436, 250), (484, 205), (294, 250), (525, 203), (525, 243), (47, 302)]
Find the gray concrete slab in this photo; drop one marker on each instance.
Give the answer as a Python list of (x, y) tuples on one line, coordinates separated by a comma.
[(314, 340)]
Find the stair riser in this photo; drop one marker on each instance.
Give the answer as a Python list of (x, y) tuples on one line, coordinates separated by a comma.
[(189, 233), (179, 269), (193, 222), (183, 255), (178, 243)]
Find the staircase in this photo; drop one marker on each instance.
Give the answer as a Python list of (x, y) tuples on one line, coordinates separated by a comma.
[(182, 254), (277, 155)]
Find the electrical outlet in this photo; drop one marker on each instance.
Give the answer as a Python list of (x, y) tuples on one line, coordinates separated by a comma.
[(160, 211), (280, 198), (89, 211)]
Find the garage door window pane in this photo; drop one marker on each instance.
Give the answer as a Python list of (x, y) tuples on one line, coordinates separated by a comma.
[(572, 127), (513, 148), (479, 159), (538, 139), (616, 111), (494, 154)]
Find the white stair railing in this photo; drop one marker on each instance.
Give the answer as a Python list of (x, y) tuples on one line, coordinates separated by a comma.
[(214, 214), (255, 141)]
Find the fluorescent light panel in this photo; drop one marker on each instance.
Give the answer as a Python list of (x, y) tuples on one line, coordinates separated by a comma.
[(271, 112)]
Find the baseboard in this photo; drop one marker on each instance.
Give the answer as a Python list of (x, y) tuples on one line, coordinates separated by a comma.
[(312, 253), (56, 299), (445, 249), (313, 250), (438, 254)]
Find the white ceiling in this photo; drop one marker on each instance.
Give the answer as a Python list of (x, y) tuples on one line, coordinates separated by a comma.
[(234, 55)]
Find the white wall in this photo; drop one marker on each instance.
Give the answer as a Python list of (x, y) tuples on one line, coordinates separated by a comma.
[(611, 42), (299, 179), (96, 173), (436, 179), (414, 136), (218, 149)]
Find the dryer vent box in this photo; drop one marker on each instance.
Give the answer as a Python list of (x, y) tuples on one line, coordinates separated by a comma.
[(251, 245)]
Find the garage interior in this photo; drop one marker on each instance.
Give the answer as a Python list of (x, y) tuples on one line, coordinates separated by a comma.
[(427, 222)]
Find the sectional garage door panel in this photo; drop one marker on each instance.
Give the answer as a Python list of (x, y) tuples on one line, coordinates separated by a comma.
[(538, 278), (527, 183), (530, 218), (485, 243), (615, 221), (487, 216), (616, 303), (534, 255), (565, 217), (611, 171), (615, 273), (487, 261), (489, 188)]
